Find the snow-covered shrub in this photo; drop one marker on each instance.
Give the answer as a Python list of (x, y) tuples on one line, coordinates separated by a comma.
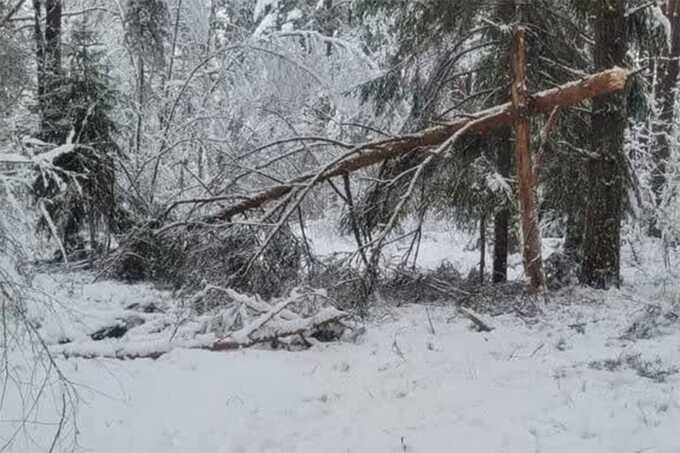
[(32, 378), (190, 258)]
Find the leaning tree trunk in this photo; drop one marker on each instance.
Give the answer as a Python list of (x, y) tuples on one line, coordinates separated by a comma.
[(606, 168), (668, 69), (371, 153)]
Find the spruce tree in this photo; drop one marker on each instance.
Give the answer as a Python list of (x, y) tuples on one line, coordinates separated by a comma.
[(80, 189)]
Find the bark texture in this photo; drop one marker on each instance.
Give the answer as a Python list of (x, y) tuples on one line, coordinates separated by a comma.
[(667, 74), (606, 169), (48, 64), (502, 217), (528, 202)]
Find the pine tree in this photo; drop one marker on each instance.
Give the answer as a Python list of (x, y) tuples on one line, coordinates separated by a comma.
[(80, 189)]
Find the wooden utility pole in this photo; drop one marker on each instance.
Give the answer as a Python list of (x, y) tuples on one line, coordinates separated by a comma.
[(531, 233)]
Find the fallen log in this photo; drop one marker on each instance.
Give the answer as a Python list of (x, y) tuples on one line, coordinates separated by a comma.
[(247, 338), (276, 323), (372, 153), (280, 330)]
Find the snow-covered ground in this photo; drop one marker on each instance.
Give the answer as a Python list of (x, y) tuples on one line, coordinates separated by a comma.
[(419, 380)]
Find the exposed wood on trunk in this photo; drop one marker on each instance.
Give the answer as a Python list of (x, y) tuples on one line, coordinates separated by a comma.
[(528, 204), (372, 153)]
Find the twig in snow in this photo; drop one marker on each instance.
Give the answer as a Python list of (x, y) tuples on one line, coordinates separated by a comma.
[(429, 320), (397, 349)]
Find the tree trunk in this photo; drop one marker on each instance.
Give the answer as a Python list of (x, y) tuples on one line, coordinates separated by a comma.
[(40, 60), (482, 248), (502, 218), (48, 63), (606, 169), (140, 109), (53, 11), (574, 234), (328, 26), (531, 232), (668, 68)]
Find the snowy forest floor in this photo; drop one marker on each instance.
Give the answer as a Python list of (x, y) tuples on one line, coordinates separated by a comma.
[(419, 379)]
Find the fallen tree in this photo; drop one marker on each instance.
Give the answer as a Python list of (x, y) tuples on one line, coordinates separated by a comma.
[(371, 153), (297, 321)]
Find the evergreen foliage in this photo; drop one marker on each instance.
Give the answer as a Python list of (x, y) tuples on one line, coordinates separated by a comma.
[(79, 188)]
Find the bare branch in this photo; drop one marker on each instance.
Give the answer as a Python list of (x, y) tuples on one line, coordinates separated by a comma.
[(11, 13)]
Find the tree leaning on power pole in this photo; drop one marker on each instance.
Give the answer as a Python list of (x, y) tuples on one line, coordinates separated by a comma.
[(528, 204)]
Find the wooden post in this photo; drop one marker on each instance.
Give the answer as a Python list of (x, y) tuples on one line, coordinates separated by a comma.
[(528, 204)]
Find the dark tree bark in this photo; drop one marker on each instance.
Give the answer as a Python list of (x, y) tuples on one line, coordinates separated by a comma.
[(39, 38), (482, 248), (48, 63), (606, 169), (140, 107), (53, 10), (502, 218), (328, 26), (668, 69), (574, 236)]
